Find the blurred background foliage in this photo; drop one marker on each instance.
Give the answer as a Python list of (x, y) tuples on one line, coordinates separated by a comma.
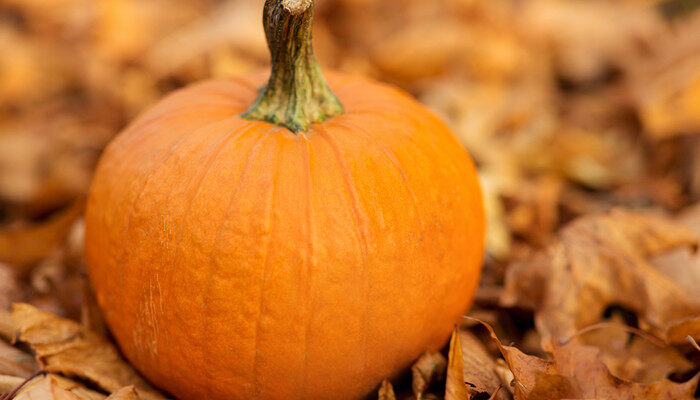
[(568, 107)]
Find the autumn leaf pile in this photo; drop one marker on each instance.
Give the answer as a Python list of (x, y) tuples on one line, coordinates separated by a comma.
[(582, 116)]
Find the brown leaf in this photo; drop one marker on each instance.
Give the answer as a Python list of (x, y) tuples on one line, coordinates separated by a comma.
[(597, 261), (496, 393), (9, 383), (683, 265), (10, 291), (592, 379), (46, 389), (587, 37), (576, 371), (63, 346), (15, 362), (479, 368), (28, 245), (667, 82), (429, 368), (677, 331), (639, 358), (455, 388), (7, 327), (55, 387), (127, 393), (386, 391)]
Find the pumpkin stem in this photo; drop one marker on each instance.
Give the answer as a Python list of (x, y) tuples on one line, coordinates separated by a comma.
[(297, 95)]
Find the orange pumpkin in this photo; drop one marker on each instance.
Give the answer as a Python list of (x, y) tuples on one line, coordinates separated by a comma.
[(304, 247)]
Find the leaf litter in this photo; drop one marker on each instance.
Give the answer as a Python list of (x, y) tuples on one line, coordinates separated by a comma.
[(582, 118)]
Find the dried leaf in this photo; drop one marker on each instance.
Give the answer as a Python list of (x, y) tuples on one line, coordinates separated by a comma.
[(46, 389), (10, 291), (678, 331), (429, 368), (576, 371), (386, 391), (588, 37), (667, 84), (127, 393), (638, 359), (683, 265), (598, 261), (479, 368), (9, 383), (29, 245), (51, 387), (15, 362), (455, 388), (63, 346), (7, 327)]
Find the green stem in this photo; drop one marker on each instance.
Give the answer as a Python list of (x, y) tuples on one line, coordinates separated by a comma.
[(297, 95)]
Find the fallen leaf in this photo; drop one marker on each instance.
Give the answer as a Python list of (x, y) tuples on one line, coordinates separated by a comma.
[(479, 368), (677, 331), (455, 388), (577, 371), (55, 387), (45, 389), (10, 291), (667, 83), (9, 383), (683, 265), (636, 358), (15, 362), (429, 368), (63, 346), (495, 394), (7, 327), (598, 261), (386, 391), (25, 246), (127, 393), (586, 38)]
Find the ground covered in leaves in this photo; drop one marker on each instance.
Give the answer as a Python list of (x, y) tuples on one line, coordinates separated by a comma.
[(583, 118)]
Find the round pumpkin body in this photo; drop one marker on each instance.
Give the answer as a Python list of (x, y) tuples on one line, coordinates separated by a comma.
[(235, 259)]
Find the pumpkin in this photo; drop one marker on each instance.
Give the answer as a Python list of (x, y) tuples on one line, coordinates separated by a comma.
[(304, 241)]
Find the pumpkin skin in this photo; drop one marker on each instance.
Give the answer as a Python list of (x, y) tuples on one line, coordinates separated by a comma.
[(234, 259)]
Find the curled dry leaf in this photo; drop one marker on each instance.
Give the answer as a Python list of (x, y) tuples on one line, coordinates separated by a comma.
[(25, 246), (577, 371), (597, 261), (455, 388), (63, 346), (386, 391), (480, 368), (429, 368)]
